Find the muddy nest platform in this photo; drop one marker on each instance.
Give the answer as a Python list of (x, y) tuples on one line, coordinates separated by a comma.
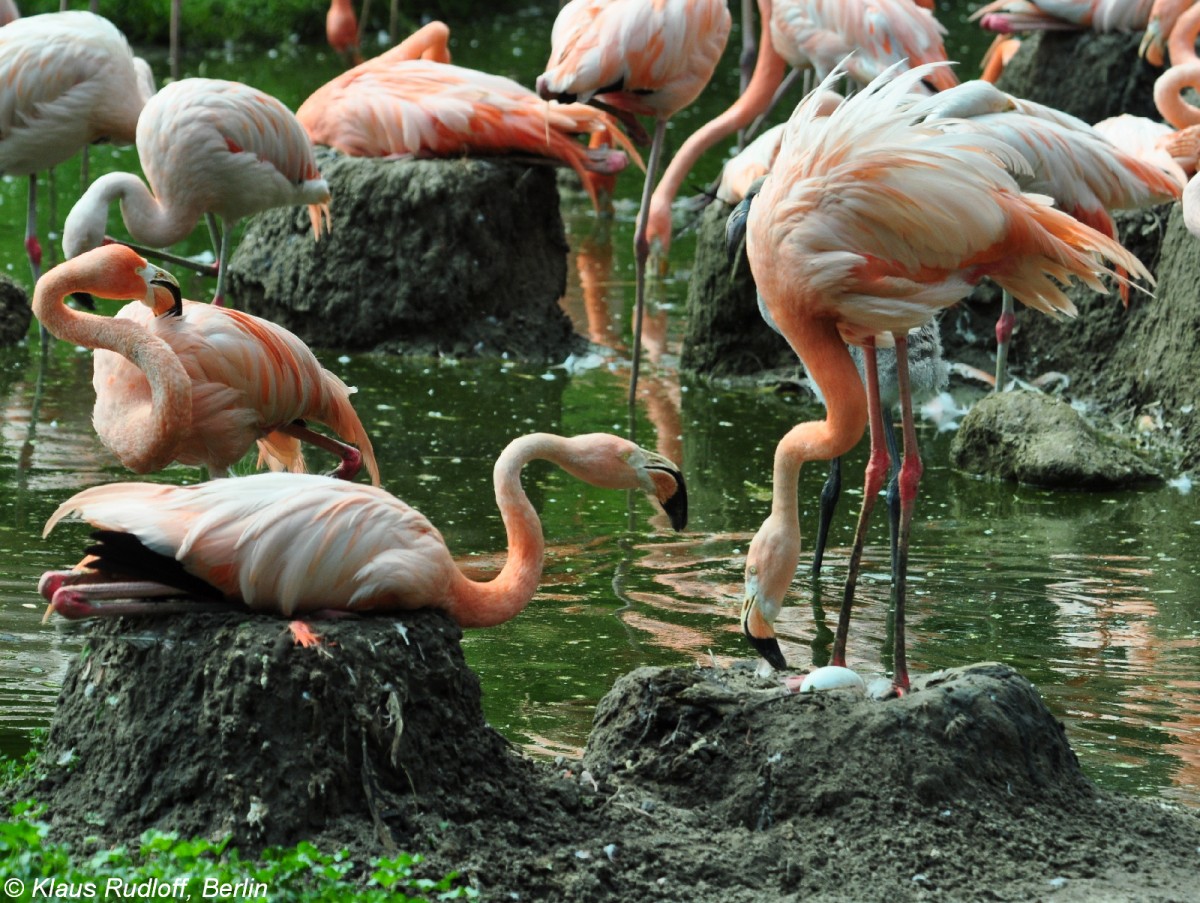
[(697, 784)]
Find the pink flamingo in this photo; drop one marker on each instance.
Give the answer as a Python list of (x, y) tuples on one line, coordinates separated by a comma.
[(638, 58), (1064, 157), (8, 12), (869, 35), (209, 148), (922, 213), (182, 381), (402, 105), (1009, 16), (293, 543), (1164, 17), (67, 80)]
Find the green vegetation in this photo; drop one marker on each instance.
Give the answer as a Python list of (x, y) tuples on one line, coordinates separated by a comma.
[(32, 866), (212, 23), (164, 866)]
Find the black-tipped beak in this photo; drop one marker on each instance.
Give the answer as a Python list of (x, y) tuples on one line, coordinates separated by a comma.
[(768, 648), (735, 229), (176, 293), (675, 505)]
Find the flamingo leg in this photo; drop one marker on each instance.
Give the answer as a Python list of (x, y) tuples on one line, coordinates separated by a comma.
[(75, 600), (892, 496), (351, 456), (222, 247), (641, 248), (173, 38), (33, 248), (829, 499), (1004, 330), (877, 466), (910, 478)]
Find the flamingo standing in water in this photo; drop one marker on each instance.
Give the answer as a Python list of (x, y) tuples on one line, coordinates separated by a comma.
[(869, 223), (209, 148), (182, 381), (807, 34), (1064, 157), (639, 58), (291, 544), (404, 104), (67, 80)]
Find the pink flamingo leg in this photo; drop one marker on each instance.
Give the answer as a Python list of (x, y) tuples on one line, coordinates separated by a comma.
[(1004, 331), (877, 469), (351, 456), (641, 249), (910, 478), (33, 247)]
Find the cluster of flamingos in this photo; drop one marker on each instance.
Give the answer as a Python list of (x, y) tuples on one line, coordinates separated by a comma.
[(870, 215)]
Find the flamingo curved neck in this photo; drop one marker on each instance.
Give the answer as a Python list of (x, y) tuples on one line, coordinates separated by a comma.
[(146, 218), (829, 364), (487, 603), (147, 438), (769, 70), (1181, 43), (1167, 95)]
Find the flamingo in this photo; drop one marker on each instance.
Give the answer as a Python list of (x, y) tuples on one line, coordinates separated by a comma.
[(1064, 157), (647, 59), (341, 30), (1182, 145), (1008, 16), (208, 147), (182, 381), (298, 543), (997, 57), (869, 223), (1164, 18), (401, 105), (67, 80), (869, 35), (8, 12)]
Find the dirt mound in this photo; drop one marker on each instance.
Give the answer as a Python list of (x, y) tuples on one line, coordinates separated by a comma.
[(463, 257), (697, 784)]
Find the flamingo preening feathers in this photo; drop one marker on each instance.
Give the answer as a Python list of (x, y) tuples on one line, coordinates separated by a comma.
[(293, 543), (183, 381), (869, 223)]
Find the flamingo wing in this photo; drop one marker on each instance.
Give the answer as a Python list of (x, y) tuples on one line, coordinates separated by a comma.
[(226, 148), (284, 543), (884, 222)]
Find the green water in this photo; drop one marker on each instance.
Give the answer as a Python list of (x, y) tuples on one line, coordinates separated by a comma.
[(1094, 597)]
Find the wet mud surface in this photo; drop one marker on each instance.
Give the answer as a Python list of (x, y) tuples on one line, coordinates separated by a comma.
[(697, 784)]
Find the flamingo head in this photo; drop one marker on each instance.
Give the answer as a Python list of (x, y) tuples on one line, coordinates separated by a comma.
[(611, 462), (117, 271), (770, 563)]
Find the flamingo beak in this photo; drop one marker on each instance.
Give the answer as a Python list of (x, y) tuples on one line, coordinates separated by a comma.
[(670, 489), (759, 631), (165, 280)]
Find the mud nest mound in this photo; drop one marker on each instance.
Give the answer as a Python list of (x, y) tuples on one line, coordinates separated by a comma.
[(696, 785), (463, 257)]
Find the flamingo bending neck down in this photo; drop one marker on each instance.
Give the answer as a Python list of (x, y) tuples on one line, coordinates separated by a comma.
[(291, 543), (182, 381), (852, 271), (210, 148)]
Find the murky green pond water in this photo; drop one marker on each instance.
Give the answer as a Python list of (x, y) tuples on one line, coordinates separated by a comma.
[(1096, 598)]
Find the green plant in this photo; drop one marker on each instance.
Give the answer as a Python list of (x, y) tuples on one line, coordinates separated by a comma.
[(166, 866)]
